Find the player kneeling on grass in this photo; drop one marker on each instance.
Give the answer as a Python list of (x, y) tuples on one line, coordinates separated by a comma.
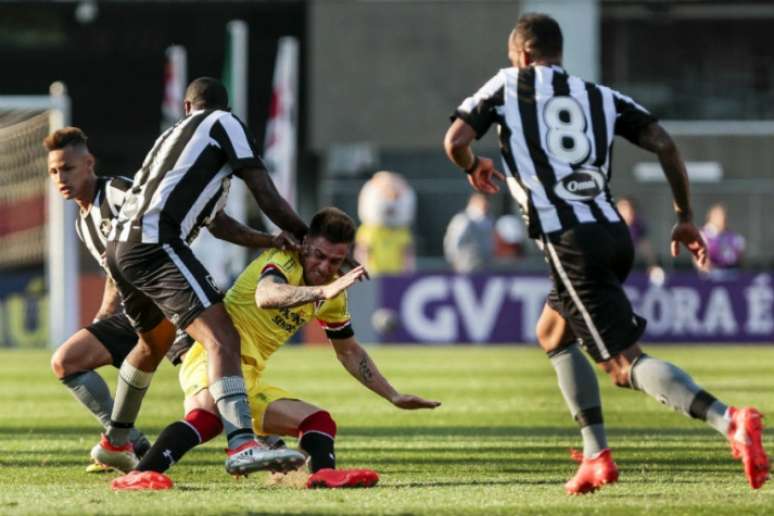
[(272, 299)]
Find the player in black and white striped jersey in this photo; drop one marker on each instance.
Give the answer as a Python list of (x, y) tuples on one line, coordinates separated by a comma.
[(556, 134), (181, 185), (111, 336)]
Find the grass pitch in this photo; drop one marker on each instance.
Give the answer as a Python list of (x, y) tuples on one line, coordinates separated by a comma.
[(498, 445)]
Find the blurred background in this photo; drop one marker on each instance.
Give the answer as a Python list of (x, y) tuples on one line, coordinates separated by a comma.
[(350, 101)]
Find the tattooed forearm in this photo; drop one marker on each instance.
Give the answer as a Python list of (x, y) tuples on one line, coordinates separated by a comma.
[(278, 295), (365, 370)]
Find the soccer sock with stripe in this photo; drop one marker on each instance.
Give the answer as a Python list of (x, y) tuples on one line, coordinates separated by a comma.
[(316, 437), (580, 389), (130, 391), (673, 387), (90, 389), (178, 438), (230, 397)]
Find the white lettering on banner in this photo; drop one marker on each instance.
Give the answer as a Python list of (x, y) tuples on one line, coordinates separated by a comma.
[(442, 327), (531, 292), (506, 308), (686, 311), (760, 307), (479, 317), (719, 315), (657, 308)]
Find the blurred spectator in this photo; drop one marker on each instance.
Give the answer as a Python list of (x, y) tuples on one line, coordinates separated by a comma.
[(386, 206), (725, 247), (510, 237), (469, 241), (627, 208)]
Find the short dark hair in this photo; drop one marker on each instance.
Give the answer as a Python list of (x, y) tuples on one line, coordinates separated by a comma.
[(63, 137), (540, 34), (333, 225), (207, 93)]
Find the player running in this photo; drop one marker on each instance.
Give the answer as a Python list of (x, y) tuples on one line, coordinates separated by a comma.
[(556, 134), (270, 301), (110, 337)]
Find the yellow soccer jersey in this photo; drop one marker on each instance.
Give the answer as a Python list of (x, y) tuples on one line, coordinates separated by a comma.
[(386, 246), (264, 330)]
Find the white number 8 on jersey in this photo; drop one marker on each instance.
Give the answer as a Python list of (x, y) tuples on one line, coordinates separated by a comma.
[(566, 138)]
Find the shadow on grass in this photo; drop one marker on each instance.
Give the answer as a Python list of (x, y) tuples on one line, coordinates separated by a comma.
[(434, 432)]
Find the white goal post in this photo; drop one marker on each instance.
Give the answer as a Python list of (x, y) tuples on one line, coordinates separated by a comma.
[(61, 260)]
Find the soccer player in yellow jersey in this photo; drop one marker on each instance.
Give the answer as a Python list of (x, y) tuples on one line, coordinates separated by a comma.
[(272, 299)]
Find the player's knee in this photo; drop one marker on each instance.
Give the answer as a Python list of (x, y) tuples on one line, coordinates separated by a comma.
[(64, 363), (320, 421), (225, 341), (144, 353), (619, 376), (544, 332), (58, 365), (206, 424)]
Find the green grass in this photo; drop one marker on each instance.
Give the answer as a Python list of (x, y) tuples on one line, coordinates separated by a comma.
[(498, 445)]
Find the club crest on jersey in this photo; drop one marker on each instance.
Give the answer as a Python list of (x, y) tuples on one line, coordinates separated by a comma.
[(581, 185), (104, 227)]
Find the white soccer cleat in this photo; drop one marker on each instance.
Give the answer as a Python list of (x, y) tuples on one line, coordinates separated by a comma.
[(119, 457), (252, 456)]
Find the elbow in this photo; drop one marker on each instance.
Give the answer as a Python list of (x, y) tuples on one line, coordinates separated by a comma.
[(453, 144), (263, 301), (346, 355)]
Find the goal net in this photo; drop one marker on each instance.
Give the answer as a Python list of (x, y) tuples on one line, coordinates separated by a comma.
[(37, 236)]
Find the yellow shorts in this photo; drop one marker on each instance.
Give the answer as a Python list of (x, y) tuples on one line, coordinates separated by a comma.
[(193, 378)]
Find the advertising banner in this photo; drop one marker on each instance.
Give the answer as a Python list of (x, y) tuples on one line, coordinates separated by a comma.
[(503, 308)]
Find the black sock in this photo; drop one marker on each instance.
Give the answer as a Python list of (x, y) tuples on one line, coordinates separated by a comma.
[(320, 449), (174, 442)]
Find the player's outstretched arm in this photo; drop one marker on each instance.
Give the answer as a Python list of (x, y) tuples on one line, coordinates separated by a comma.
[(355, 359), (274, 292), (271, 202), (654, 138), (480, 170), (231, 230)]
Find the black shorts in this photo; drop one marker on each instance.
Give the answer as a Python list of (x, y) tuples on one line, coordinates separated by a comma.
[(160, 281), (118, 336), (589, 264)]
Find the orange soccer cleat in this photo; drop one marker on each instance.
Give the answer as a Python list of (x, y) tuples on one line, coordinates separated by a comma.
[(744, 434), (593, 473), (333, 478), (142, 480)]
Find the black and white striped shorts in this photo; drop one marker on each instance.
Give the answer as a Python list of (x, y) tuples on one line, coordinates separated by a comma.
[(160, 281)]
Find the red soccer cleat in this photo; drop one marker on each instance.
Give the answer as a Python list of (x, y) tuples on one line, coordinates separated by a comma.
[(593, 473), (745, 434), (333, 478), (142, 480)]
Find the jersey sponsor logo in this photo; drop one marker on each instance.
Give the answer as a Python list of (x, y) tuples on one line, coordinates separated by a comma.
[(581, 185)]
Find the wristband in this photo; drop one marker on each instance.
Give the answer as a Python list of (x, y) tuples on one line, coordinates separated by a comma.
[(473, 166)]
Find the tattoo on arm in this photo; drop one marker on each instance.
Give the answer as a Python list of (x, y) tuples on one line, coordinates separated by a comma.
[(274, 292), (365, 370)]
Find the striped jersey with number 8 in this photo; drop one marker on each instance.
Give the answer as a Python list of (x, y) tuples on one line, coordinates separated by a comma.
[(556, 136)]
